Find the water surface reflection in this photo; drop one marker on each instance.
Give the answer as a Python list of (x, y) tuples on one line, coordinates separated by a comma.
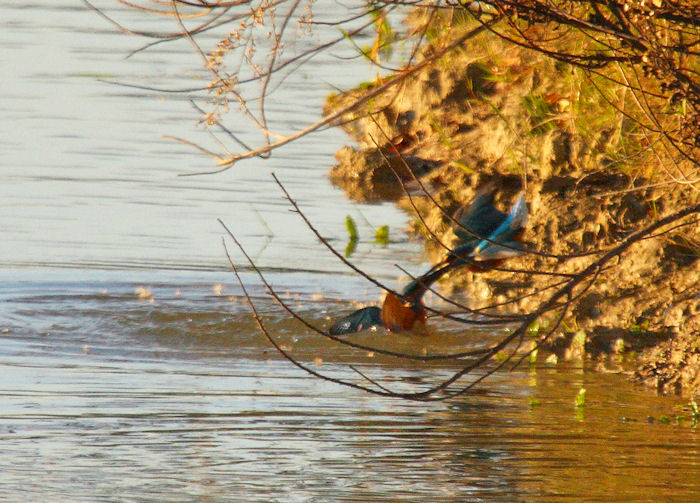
[(180, 399)]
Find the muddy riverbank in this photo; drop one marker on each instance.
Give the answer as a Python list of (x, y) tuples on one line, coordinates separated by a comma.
[(505, 114)]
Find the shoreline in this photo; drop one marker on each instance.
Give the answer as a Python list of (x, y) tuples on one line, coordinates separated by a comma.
[(462, 124)]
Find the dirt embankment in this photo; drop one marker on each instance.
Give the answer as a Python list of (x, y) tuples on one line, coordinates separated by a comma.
[(517, 118)]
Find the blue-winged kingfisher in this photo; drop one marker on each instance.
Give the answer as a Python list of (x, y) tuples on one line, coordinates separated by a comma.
[(480, 219)]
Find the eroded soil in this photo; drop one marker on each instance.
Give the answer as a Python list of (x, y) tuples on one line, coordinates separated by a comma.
[(463, 122)]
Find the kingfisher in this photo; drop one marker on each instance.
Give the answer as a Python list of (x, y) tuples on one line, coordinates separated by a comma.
[(486, 237)]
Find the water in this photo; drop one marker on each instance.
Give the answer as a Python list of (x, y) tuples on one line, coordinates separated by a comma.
[(89, 181), (131, 369), (112, 397)]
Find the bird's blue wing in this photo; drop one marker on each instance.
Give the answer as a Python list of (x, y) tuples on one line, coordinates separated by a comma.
[(480, 218), (513, 224), (361, 319)]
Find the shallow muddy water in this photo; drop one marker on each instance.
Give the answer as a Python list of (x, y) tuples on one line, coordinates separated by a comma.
[(131, 368)]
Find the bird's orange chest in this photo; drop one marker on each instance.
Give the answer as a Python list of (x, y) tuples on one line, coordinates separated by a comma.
[(398, 315)]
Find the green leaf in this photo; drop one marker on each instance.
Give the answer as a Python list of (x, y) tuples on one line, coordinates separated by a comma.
[(461, 166), (532, 357), (350, 248), (441, 133), (534, 329), (501, 356), (352, 228), (382, 235)]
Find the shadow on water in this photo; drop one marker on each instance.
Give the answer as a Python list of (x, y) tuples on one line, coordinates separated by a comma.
[(166, 391)]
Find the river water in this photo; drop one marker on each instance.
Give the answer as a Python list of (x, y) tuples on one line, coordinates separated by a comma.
[(132, 370)]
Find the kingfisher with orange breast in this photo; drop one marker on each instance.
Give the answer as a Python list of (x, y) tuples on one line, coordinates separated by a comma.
[(486, 237)]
